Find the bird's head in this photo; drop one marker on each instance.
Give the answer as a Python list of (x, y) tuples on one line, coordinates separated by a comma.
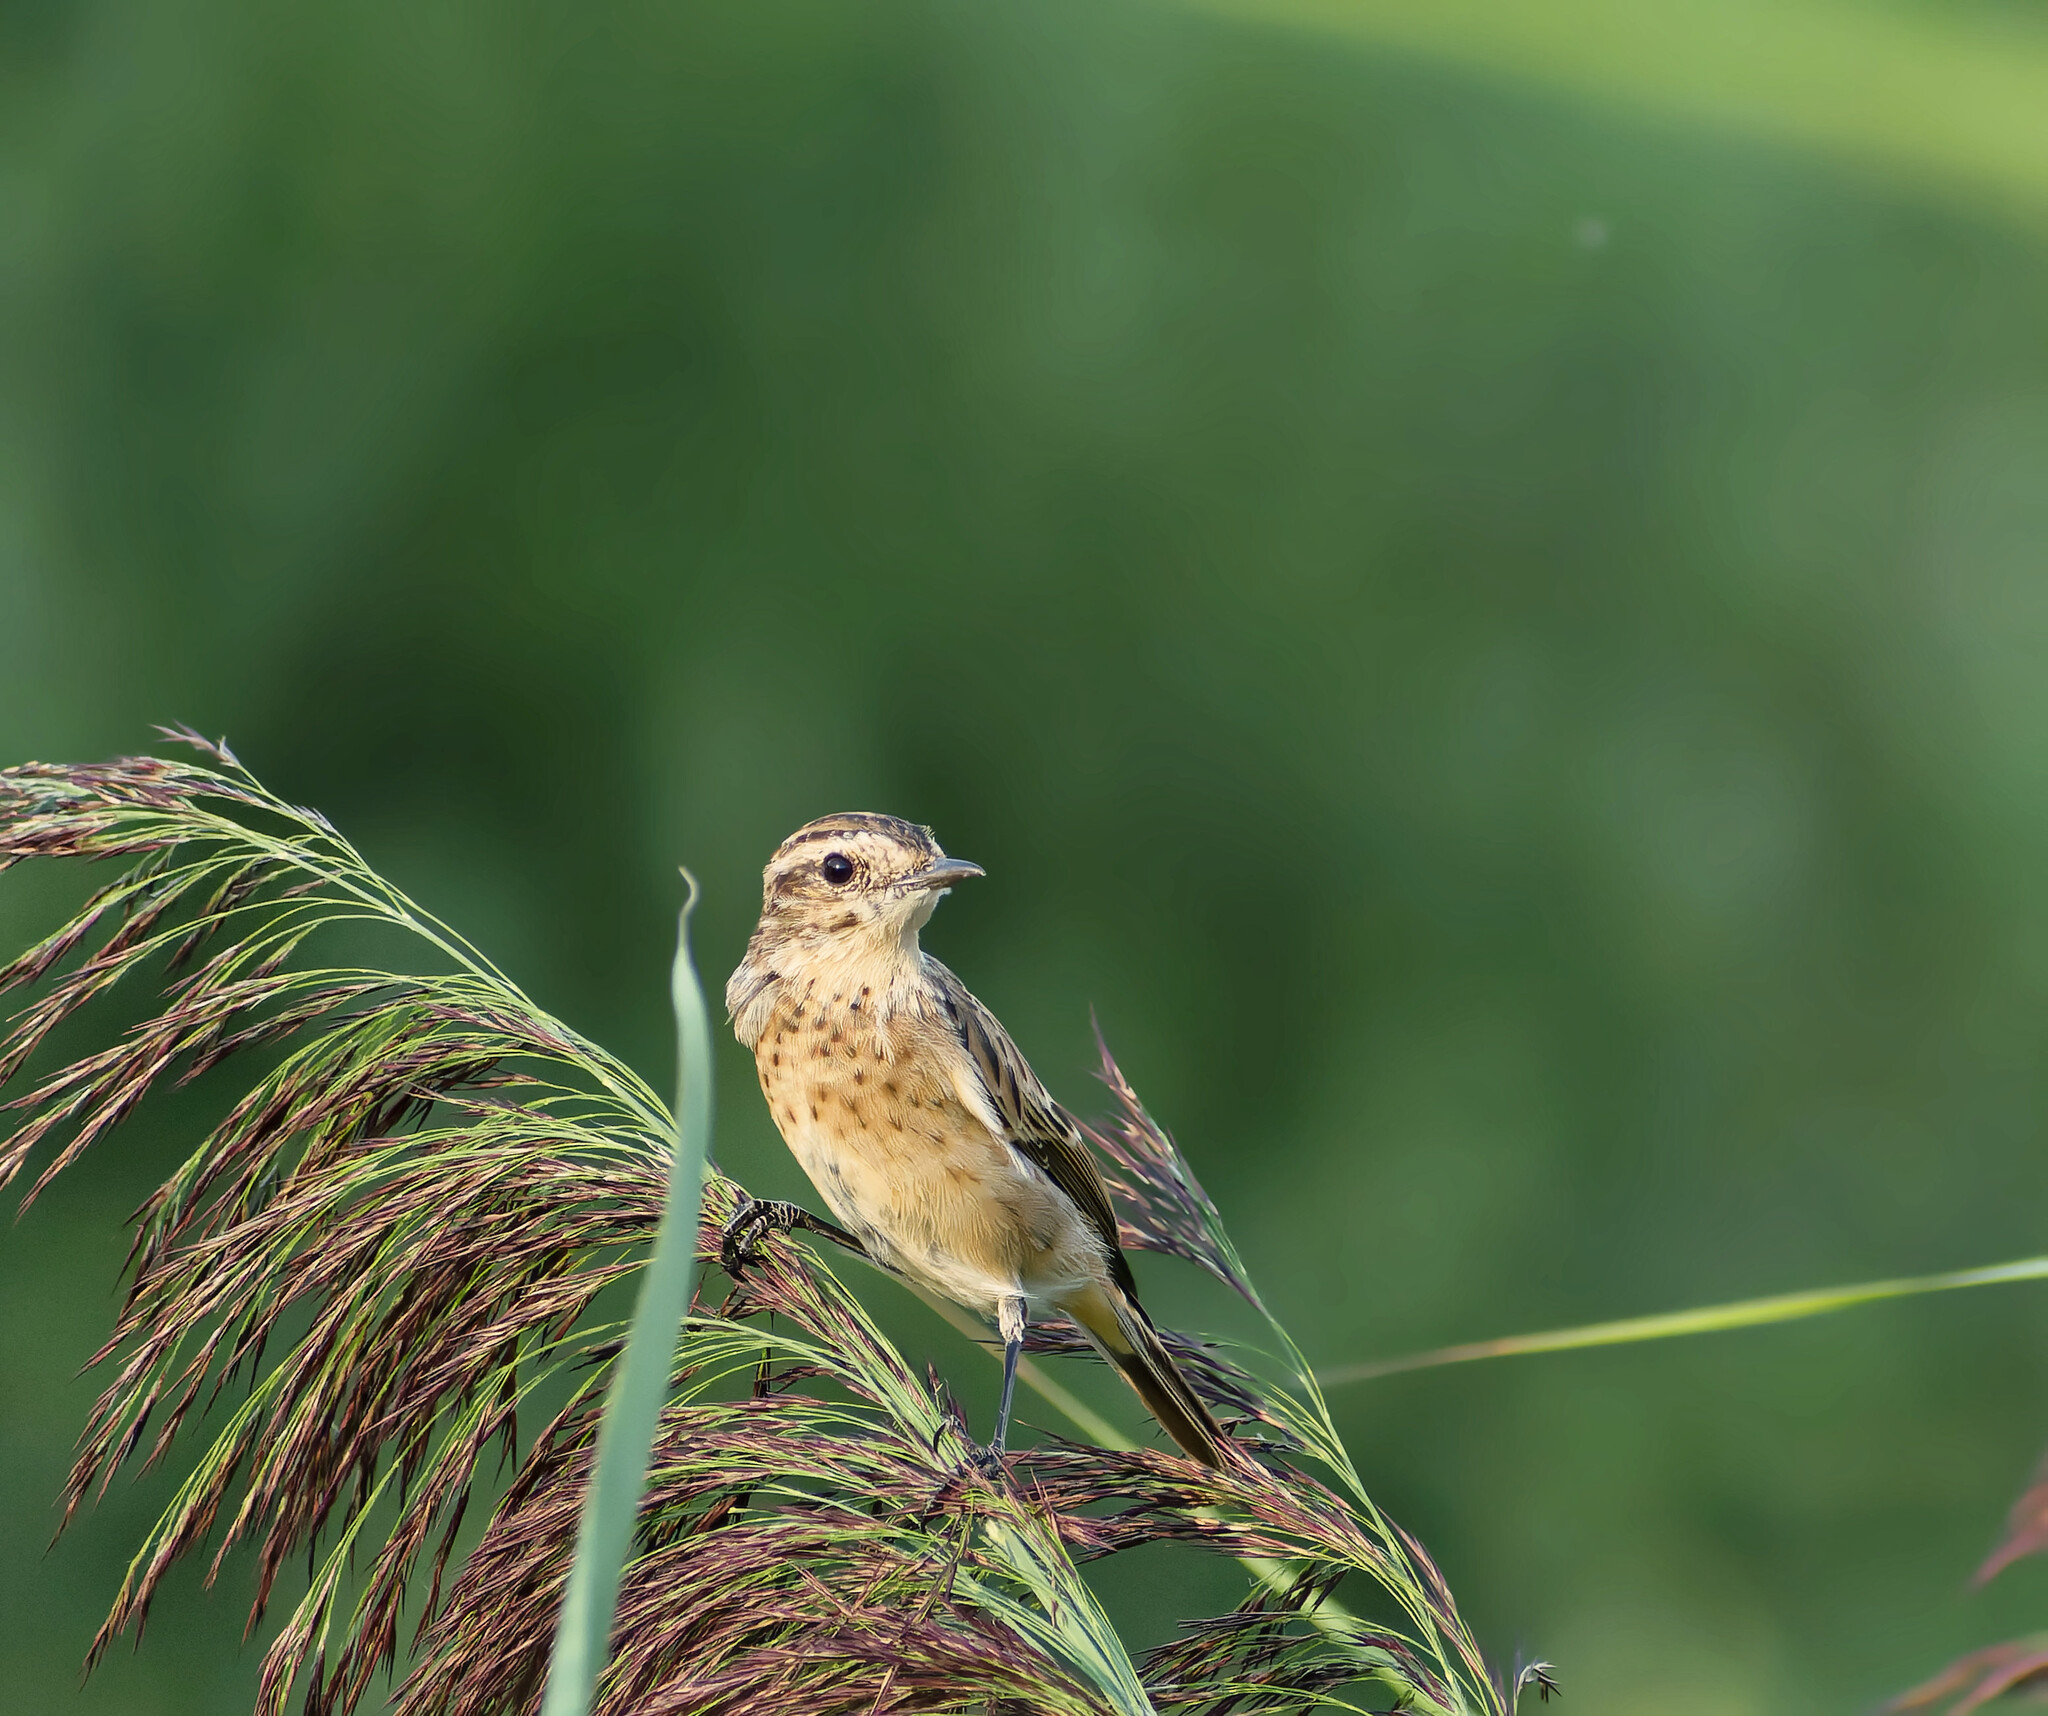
[(857, 881)]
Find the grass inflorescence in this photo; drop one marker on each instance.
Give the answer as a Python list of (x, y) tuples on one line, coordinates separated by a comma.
[(396, 1237)]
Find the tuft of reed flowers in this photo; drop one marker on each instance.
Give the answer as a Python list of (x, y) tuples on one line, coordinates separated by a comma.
[(397, 1235)]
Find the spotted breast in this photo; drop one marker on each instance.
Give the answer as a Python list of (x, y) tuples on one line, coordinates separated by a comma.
[(901, 1155)]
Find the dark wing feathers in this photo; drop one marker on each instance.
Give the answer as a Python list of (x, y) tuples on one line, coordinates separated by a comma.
[(1034, 1123)]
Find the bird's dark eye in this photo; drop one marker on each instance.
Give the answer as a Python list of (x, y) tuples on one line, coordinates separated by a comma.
[(837, 869)]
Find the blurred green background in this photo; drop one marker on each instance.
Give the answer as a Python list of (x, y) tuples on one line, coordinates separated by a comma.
[(1477, 577)]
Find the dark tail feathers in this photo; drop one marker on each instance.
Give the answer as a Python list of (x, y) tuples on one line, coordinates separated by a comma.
[(1117, 1325)]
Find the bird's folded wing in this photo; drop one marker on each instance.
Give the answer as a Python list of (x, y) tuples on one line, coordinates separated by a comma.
[(1032, 1121)]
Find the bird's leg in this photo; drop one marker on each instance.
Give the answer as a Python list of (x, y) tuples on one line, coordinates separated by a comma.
[(739, 1245), (1011, 1314)]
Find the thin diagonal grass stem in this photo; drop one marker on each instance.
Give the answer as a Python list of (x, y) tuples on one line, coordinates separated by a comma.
[(1701, 1320)]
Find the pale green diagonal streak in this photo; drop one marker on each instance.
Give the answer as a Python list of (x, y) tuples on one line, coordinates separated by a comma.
[(1703, 1320), (1955, 107)]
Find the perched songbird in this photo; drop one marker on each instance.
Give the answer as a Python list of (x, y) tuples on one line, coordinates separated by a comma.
[(918, 1121)]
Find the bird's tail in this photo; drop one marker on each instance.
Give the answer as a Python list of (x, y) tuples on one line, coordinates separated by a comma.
[(1117, 1326)]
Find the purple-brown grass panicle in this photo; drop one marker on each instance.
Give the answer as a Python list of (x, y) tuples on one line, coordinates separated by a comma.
[(395, 1240), (1972, 1681), (2019, 1666), (820, 1545), (2026, 1529), (427, 1175), (1160, 1204)]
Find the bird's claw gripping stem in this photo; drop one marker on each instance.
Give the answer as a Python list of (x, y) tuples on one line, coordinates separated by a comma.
[(740, 1243)]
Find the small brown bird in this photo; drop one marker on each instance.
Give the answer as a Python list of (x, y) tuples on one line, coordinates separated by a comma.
[(922, 1127)]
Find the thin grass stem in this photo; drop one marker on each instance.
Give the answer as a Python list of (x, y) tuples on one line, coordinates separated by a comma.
[(1702, 1320)]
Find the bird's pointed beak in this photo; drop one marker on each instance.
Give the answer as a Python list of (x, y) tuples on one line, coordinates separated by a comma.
[(944, 874)]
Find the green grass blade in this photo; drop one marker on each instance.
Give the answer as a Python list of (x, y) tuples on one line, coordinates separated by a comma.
[(605, 1537), (1704, 1320)]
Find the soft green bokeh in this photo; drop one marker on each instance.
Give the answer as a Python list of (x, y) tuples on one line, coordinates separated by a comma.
[(1486, 609)]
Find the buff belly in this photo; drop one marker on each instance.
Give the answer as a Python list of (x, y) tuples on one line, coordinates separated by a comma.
[(905, 1165)]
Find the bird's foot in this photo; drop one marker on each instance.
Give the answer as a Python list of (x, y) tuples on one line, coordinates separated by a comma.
[(987, 1464), (740, 1243)]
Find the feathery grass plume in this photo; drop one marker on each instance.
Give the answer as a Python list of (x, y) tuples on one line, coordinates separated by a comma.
[(2018, 1667), (2026, 1529), (1160, 1204), (822, 1544), (434, 1176), (395, 1237)]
